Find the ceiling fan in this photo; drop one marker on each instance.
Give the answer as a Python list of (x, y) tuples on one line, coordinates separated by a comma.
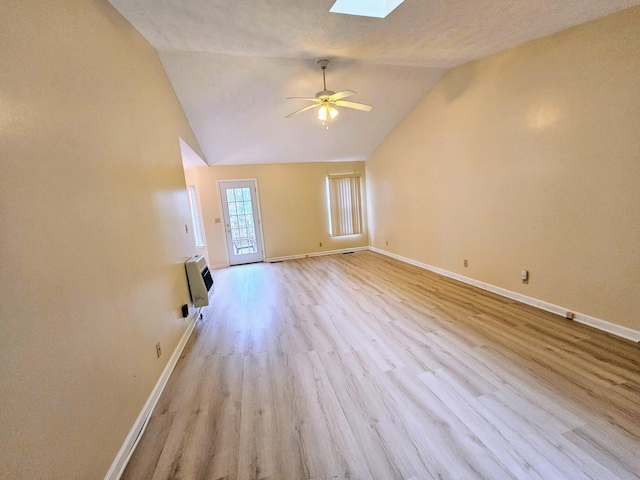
[(326, 100)]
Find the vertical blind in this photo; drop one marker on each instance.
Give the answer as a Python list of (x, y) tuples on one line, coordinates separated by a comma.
[(345, 208)]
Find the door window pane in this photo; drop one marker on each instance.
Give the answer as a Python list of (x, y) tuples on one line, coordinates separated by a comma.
[(241, 220)]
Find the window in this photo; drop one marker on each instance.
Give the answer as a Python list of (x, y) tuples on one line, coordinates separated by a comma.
[(345, 206), (195, 216)]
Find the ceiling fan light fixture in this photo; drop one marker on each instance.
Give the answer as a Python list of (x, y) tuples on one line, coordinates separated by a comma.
[(327, 111)]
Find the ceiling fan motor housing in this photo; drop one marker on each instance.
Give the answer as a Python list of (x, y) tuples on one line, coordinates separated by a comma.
[(324, 94)]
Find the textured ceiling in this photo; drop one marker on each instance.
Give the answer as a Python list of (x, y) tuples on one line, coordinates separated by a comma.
[(232, 63)]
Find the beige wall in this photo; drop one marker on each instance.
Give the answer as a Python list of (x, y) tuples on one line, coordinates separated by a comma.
[(527, 159), (293, 207), (93, 208)]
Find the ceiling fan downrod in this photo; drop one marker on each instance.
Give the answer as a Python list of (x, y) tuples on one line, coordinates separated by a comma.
[(323, 65)]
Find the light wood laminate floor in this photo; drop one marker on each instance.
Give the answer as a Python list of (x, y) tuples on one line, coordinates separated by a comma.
[(362, 367)]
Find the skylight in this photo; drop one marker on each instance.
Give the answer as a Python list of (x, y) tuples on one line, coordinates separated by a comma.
[(365, 8)]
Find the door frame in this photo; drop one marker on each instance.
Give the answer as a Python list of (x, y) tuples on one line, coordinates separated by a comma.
[(221, 210)]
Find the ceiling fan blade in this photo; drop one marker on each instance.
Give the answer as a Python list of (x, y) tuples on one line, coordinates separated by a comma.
[(302, 110), (342, 94), (303, 98), (358, 106)]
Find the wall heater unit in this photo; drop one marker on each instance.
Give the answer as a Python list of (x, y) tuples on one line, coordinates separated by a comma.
[(200, 280)]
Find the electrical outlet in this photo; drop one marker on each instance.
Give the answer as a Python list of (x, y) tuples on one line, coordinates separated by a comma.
[(466, 263), (158, 349), (387, 242), (320, 243), (524, 275)]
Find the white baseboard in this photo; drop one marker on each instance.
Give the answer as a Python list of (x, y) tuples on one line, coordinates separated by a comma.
[(316, 254), (594, 322), (220, 265), (130, 443)]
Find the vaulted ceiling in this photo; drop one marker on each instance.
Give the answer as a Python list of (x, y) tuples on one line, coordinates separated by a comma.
[(232, 63)]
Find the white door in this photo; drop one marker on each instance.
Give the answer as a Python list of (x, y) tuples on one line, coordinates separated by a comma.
[(241, 221)]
